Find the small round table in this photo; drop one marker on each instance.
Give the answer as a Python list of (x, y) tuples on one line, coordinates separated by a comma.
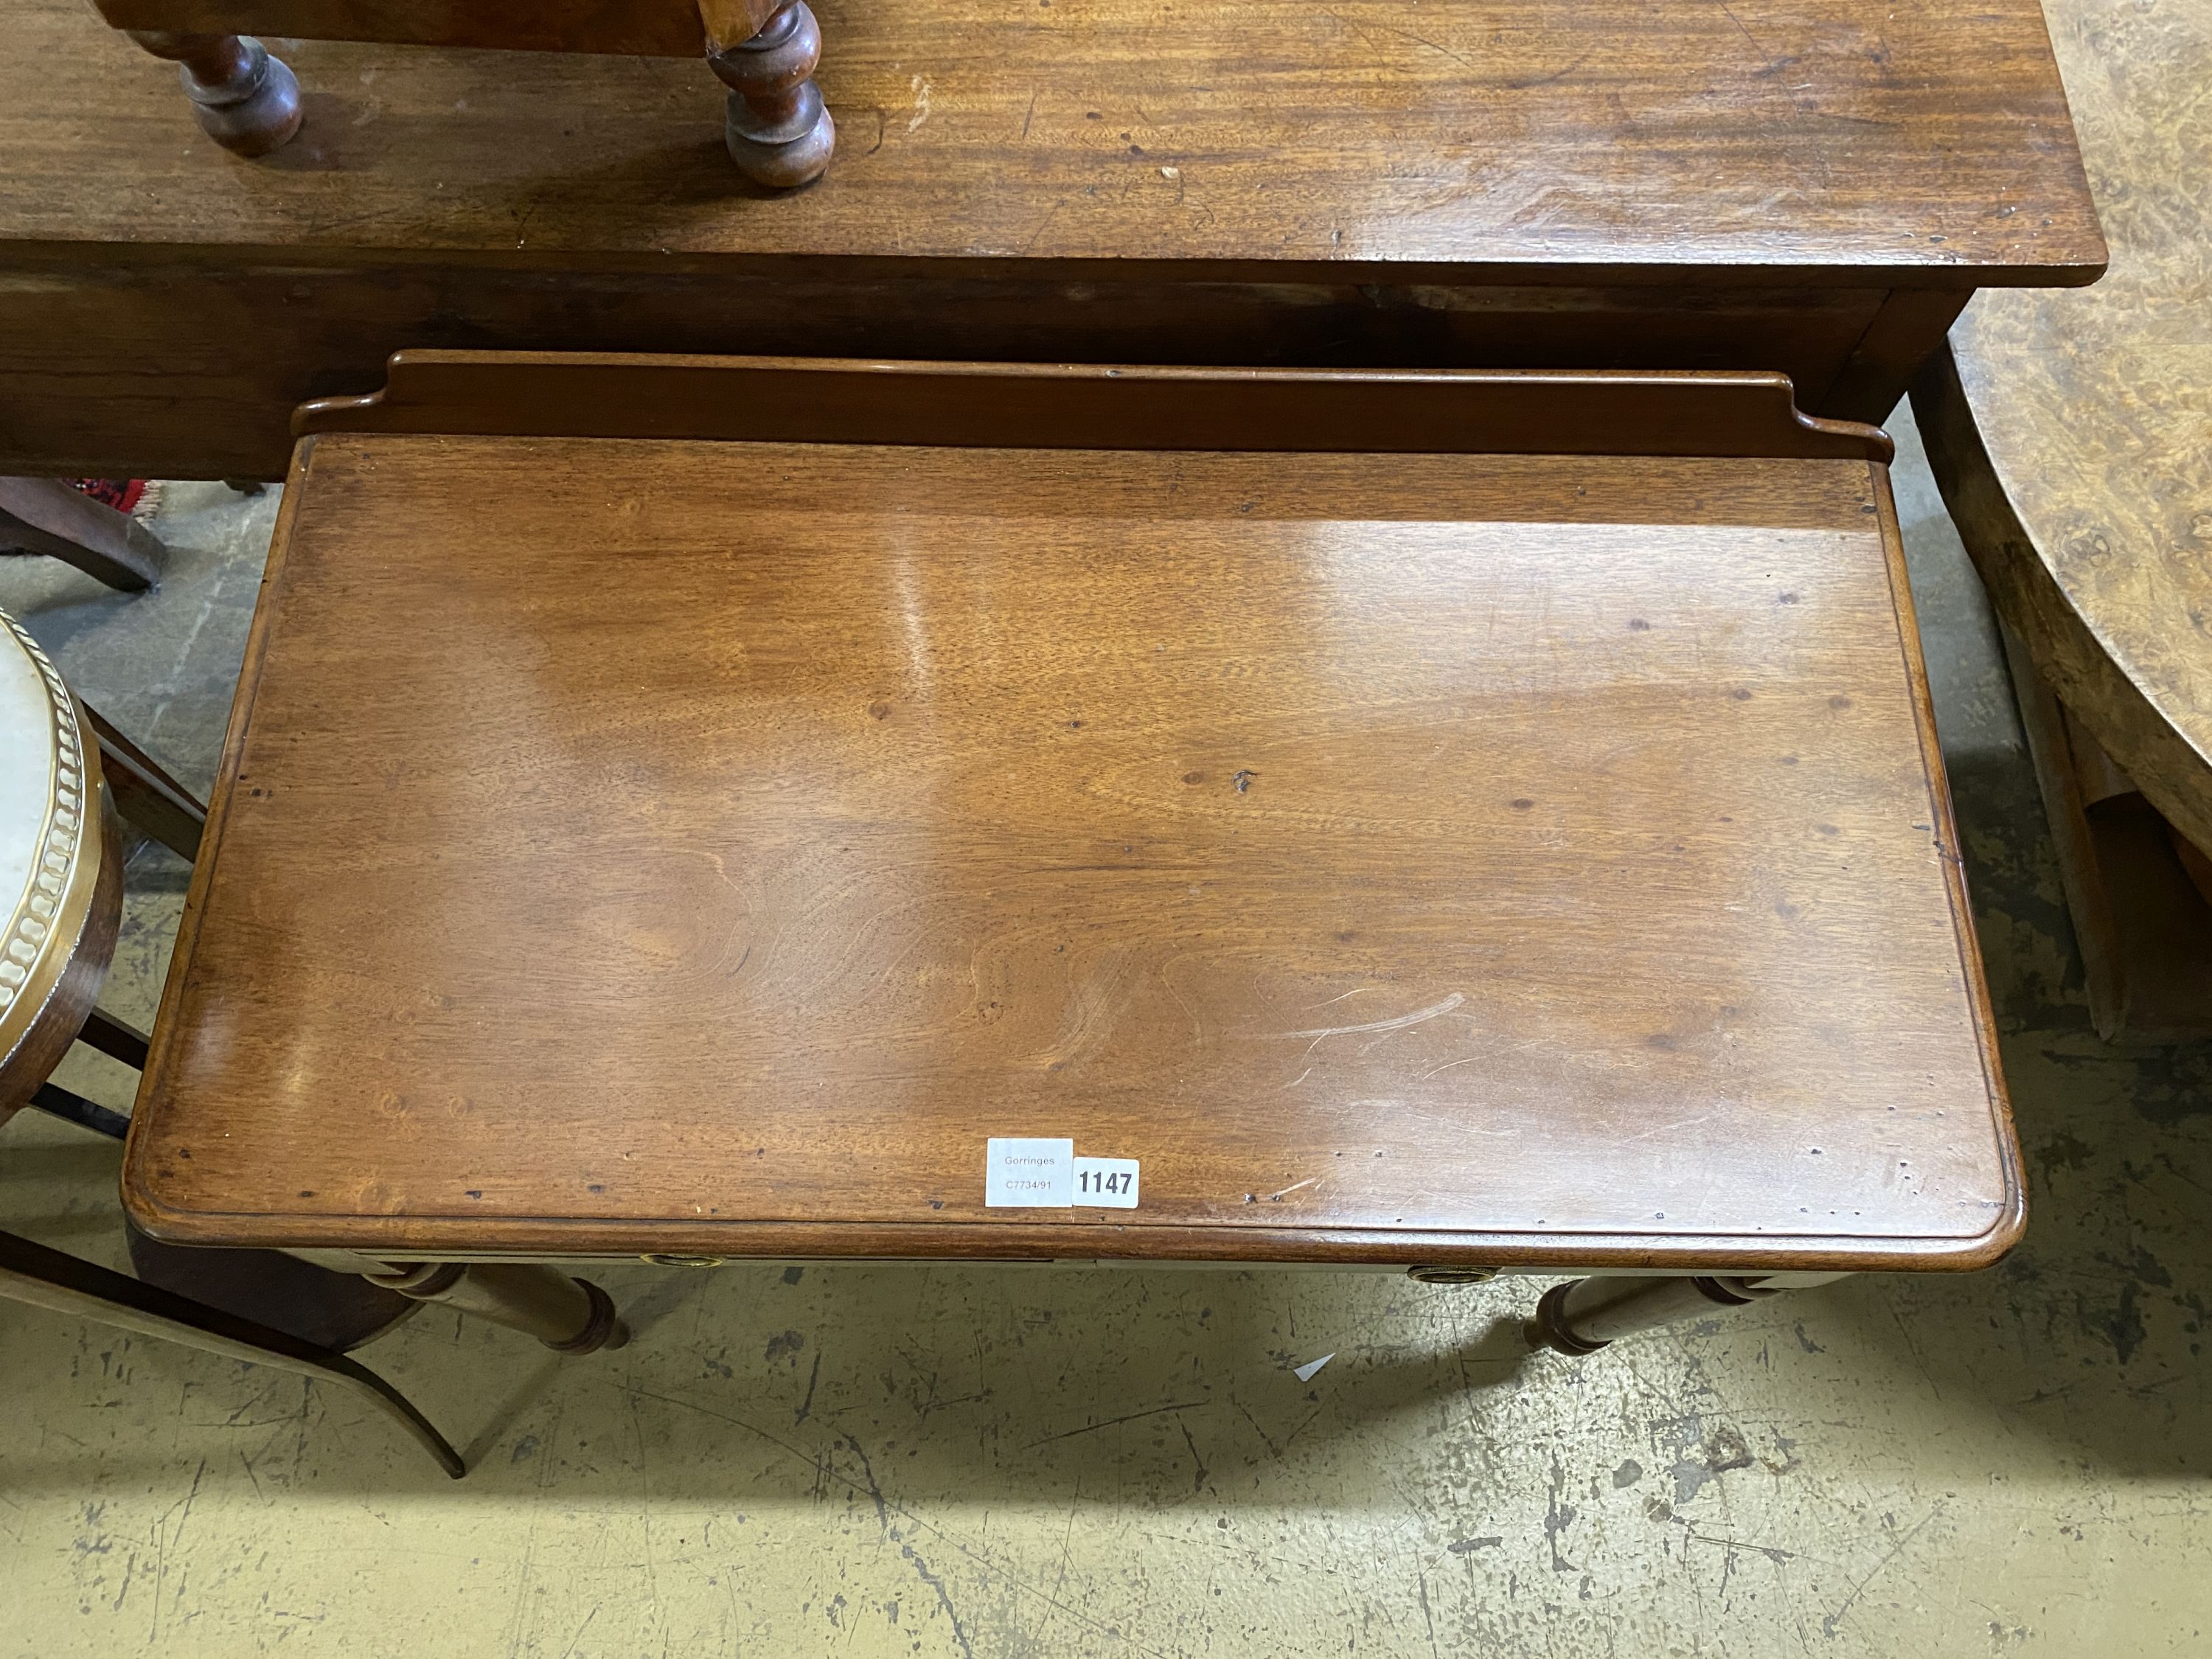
[(61, 888)]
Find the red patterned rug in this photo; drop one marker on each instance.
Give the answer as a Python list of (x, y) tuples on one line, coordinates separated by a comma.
[(121, 494)]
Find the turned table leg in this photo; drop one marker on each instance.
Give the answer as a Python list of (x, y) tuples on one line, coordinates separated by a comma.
[(780, 132), (1585, 1315), (243, 99), (569, 1315)]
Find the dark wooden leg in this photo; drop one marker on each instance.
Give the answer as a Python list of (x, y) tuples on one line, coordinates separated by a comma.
[(45, 515), (1585, 1315), (41, 1277), (243, 99), (2141, 916), (153, 800), (58, 1102), (569, 1315), (333, 1310), (779, 130), (111, 1037)]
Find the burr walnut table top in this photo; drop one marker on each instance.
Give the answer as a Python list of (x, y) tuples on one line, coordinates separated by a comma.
[(2092, 415), (704, 847)]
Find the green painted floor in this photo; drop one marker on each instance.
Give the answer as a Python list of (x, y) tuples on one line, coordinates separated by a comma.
[(1004, 1462)]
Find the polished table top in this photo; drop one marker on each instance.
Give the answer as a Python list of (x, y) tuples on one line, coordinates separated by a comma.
[(1814, 190), (708, 847), (1929, 142), (2094, 410)]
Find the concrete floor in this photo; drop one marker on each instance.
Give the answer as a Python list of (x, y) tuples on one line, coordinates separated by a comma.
[(988, 1461)]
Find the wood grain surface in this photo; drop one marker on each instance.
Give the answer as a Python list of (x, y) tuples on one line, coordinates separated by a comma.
[(667, 846), (1931, 141), (188, 363), (2080, 463), (1545, 182), (1087, 406), (666, 28)]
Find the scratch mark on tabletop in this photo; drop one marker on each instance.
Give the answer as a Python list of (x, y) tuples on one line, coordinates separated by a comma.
[(1672, 1128), (1399, 1023), (721, 870), (1447, 1066), (1746, 33), (1556, 75), (1044, 224), (1357, 991), (1197, 1030), (1404, 34)]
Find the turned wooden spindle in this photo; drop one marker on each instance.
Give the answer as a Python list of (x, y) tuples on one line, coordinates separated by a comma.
[(569, 1315), (1585, 1315), (244, 99), (780, 131)]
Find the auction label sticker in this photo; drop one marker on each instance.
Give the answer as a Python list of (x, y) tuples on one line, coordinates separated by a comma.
[(1040, 1175), (1106, 1183), (1028, 1174)]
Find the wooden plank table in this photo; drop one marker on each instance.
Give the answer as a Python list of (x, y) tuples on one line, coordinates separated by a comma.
[(2073, 438), (1438, 855), (1814, 190)]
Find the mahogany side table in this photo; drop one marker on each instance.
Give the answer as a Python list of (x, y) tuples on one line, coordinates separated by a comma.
[(1449, 822)]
